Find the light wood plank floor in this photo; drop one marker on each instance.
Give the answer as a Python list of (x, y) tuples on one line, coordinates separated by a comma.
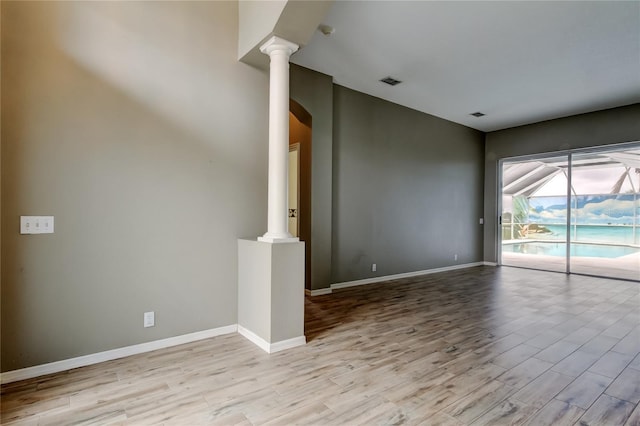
[(482, 346)]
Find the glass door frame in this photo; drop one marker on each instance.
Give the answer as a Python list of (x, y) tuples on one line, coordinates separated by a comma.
[(546, 155), (525, 158)]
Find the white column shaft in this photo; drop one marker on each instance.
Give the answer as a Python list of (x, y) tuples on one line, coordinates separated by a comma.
[(277, 214), (278, 144)]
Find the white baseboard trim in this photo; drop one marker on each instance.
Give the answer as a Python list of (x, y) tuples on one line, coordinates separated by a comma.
[(271, 347), (404, 275), (82, 361), (254, 338), (318, 292), (288, 344)]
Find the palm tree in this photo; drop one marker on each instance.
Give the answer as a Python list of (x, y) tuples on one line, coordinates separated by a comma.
[(615, 189), (520, 215)]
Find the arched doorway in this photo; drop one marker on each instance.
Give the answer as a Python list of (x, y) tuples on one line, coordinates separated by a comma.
[(300, 180)]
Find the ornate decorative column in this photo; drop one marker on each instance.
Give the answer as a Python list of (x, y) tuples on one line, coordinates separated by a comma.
[(279, 51), (271, 276)]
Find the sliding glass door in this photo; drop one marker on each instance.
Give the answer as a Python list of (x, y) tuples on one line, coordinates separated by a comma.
[(534, 214), (574, 213), (605, 238)]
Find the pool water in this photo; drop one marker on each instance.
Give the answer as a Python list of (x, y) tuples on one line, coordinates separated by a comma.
[(593, 234), (577, 249)]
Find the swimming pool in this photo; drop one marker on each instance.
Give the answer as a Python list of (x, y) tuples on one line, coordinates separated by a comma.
[(549, 248)]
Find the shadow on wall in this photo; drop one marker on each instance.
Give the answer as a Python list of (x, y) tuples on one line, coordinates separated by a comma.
[(149, 64), (149, 168)]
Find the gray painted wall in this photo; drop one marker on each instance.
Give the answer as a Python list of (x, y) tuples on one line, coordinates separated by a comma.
[(135, 126), (314, 91), (154, 167), (407, 189), (606, 127)]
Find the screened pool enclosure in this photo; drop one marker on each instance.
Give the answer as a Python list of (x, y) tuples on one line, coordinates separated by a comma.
[(573, 213)]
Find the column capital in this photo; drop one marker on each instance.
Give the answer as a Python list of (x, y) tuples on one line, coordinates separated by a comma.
[(276, 43)]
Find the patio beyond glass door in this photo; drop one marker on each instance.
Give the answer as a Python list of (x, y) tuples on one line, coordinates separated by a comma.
[(534, 214), (576, 213)]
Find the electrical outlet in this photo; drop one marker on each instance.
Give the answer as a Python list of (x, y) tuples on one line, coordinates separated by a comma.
[(374, 267), (149, 319), (455, 257), (481, 221)]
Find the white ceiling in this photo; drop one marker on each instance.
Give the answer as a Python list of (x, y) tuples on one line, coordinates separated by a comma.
[(517, 62)]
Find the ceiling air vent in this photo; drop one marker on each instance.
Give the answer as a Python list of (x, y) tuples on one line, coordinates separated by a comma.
[(390, 81), (478, 114)]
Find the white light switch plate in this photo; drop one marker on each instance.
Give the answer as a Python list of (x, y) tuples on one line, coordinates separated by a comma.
[(36, 224)]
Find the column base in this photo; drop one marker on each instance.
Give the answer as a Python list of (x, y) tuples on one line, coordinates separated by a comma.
[(275, 240), (271, 293)]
